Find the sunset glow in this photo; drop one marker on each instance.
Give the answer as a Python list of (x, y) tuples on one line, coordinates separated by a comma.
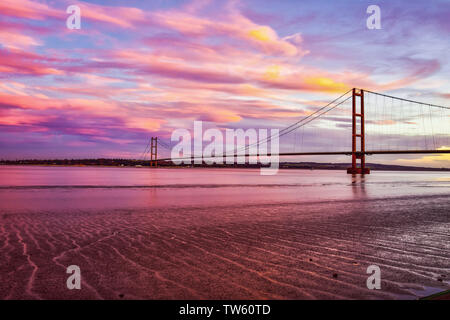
[(136, 69)]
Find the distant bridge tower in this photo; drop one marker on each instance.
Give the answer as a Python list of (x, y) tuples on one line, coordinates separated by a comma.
[(358, 154), (154, 152)]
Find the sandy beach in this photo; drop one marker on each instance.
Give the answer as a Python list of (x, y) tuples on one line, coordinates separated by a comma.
[(276, 248)]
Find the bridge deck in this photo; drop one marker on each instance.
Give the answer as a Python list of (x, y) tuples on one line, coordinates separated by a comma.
[(348, 153)]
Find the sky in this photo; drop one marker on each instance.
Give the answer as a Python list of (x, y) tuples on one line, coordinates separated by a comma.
[(138, 69)]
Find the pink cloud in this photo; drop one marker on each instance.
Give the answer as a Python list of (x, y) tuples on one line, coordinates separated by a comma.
[(27, 9), (14, 40), (136, 71), (20, 62)]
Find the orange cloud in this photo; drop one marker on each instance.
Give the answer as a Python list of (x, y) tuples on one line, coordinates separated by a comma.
[(435, 160), (326, 84)]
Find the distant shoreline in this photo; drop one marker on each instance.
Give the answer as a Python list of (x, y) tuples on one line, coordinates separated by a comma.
[(127, 163)]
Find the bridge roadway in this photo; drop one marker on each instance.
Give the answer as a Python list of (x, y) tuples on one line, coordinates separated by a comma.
[(348, 153)]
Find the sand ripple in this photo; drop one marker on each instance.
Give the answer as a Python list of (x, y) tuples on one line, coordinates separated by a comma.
[(277, 251)]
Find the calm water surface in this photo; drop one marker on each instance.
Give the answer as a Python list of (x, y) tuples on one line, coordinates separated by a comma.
[(83, 187)]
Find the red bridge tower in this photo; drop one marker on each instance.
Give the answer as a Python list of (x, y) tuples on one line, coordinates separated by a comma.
[(154, 152), (358, 154)]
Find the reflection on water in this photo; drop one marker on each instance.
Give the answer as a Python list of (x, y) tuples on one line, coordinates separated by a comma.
[(359, 185), (97, 187)]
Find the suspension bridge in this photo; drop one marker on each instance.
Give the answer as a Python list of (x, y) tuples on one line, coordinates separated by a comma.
[(359, 123)]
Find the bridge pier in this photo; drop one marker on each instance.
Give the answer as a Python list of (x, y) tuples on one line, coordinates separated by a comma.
[(361, 153), (154, 152)]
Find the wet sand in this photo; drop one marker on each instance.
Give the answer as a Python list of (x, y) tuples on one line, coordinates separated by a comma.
[(206, 250), (282, 251)]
